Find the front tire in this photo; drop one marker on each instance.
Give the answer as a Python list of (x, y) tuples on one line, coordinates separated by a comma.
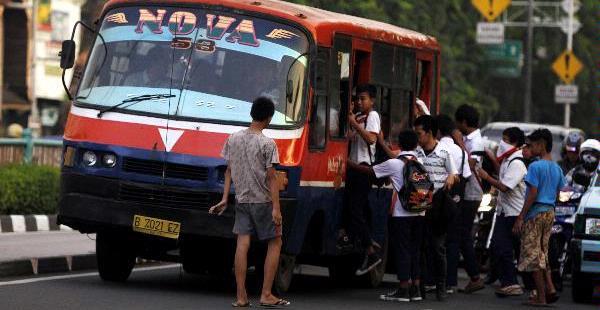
[(582, 287), (115, 257), (285, 273)]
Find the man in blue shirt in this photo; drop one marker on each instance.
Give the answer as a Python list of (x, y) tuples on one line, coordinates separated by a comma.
[(534, 223)]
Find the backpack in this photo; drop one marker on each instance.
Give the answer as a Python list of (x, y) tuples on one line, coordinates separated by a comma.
[(459, 189), (417, 193)]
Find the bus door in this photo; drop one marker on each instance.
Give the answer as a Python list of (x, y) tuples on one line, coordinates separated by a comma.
[(426, 79)]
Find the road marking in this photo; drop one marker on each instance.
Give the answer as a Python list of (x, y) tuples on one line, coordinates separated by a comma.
[(80, 275), (18, 222)]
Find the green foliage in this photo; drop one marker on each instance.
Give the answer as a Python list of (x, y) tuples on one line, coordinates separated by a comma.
[(465, 77), (28, 189)]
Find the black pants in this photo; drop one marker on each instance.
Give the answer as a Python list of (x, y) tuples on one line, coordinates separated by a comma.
[(434, 255), (505, 247), (358, 213), (406, 236), (460, 241)]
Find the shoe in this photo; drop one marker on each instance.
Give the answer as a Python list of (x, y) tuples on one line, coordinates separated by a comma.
[(489, 280), (440, 292), (450, 290), (399, 295), (370, 262), (429, 288), (511, 290), (473, 287), (415, 293)]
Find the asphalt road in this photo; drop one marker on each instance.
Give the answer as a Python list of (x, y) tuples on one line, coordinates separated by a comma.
[(167, 287)]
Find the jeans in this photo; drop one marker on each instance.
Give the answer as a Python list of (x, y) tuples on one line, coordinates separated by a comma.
[(406, 236), (358, 212), (435, 256), (460, 241), (504, 246)]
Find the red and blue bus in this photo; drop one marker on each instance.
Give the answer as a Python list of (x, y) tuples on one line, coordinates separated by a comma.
[(164, 85)]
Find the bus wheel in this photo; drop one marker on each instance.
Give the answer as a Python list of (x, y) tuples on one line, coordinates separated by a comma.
[(115, 257), (285, 273)]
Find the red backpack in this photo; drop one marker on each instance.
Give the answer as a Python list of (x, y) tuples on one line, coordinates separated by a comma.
[(417, 193)]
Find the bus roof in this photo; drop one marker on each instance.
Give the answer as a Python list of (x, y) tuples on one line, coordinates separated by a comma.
[(319, 22)]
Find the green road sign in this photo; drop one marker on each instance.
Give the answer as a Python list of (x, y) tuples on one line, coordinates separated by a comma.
[(505, 60)]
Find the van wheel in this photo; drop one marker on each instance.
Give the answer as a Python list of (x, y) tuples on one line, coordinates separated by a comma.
[(115, 257), (582, 288), (285, 273)]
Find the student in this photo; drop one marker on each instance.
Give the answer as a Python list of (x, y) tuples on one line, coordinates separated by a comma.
[(511, 197), (467, 121), (446, 128), (439, 165), (251, 157), (544, 180), (365, 128), (406, 228)]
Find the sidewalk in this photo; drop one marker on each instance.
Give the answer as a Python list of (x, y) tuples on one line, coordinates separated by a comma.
[(30, 253)]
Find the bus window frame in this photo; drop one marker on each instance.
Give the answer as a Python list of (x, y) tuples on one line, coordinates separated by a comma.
[(318, 93), (334, 77), (312, 54)]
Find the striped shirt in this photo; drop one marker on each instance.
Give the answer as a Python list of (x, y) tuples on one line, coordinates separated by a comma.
[(438, 163)]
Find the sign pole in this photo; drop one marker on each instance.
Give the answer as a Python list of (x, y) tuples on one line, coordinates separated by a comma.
[(567, 122), (528, 65)]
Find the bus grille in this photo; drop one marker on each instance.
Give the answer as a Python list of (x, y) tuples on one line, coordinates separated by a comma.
[(164, 197), (154, 167)]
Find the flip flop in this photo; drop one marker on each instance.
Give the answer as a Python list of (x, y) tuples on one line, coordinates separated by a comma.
[(537, 305), (238, 305), (281, 303)]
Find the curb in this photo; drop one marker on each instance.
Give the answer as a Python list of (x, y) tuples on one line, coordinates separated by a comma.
[(30, 223), (57, 264)]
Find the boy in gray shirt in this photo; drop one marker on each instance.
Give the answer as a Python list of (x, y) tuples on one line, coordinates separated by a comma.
[(251, 157)]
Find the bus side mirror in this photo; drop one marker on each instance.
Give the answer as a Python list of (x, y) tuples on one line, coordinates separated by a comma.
[(67, 54)]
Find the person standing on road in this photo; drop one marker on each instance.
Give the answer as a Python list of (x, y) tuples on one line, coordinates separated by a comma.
[(467, 121), (365, 128), (441, 170), (544, 180), (511, 184), (446, 128), (251, 158)]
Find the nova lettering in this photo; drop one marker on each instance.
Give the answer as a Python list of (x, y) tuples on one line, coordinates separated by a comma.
[(217, 31), (182, 23), (154, 22), (244, 34)]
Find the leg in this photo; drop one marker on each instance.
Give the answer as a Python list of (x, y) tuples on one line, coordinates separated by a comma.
[(359, 186), (540, 285), (452, 245), (465, 228), (241, 266), (416, 240), (548, 221), (271, 265), (503, 250), (400, 237)]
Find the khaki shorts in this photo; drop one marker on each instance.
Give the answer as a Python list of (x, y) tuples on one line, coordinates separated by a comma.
[(256, 219), (534, 242)]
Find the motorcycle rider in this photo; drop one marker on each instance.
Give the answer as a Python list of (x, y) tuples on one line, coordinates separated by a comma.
[(589, 157), (570, 151)]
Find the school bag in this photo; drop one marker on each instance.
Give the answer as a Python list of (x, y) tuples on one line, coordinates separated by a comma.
[(417, 193)]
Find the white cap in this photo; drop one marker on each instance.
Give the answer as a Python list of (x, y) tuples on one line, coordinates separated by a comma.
[(590, 145)]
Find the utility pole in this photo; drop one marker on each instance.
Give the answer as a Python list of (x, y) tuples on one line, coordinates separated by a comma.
[(528, 63), (34, 118), (571, 13)]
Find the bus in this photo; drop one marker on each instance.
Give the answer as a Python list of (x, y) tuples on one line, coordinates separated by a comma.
[(166, 82)]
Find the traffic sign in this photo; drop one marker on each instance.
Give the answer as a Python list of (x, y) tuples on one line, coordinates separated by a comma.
[(490, 33), (504, 60), (567, 66), (491, 9), (566, 93), (566, 6), (564, 25)]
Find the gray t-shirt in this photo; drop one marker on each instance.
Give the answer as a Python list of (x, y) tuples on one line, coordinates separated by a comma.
[(249, 155)]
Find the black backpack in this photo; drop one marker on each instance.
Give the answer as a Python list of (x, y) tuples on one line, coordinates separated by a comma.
[(417, 193)]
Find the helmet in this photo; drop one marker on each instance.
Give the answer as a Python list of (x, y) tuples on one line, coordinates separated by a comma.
[(590, 145), (572, 142), (590, 154)]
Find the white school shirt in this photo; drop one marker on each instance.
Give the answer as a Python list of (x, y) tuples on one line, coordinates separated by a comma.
[(512, 175), (474, 143), (439, 165), (457, 156), (394, 169), (359, 152)]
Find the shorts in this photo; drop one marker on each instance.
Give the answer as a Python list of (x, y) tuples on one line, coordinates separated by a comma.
[(256, 219), (534, 242)]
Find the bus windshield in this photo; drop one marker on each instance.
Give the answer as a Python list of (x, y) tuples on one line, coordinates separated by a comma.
[(211, 64)]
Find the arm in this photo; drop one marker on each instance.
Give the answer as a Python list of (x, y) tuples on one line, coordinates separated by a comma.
[(274, 187), (388, 151), (494, 160), (532, 193), (495, 183), (367, 136), (368, 171), (222, 205)]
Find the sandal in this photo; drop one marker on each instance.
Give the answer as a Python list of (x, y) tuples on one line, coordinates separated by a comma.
[(552, 298), (281, 303), (537, 304), (239, 305)]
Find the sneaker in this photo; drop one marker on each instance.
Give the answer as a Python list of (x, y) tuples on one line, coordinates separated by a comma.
[(370, 262), (415, 293), (508, 291), (399, 295), (450, 290), (429, 288), (473, 287), (440, 292)]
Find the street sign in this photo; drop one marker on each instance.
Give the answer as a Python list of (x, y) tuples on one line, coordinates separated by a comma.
[(490, 33), (566, 94), (566, 6), (491, 9), (567, 66), (504, 60), (564, 25)]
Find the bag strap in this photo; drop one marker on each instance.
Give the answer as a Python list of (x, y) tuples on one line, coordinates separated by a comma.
[(368, 145)]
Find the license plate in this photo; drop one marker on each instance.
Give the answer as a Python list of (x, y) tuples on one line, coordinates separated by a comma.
[(157, 227)]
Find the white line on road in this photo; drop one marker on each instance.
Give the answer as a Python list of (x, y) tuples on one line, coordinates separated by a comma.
[(79, 275)]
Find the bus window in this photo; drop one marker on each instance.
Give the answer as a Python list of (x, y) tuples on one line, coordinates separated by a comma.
[(402, 98), (339, 86), (318, 120)]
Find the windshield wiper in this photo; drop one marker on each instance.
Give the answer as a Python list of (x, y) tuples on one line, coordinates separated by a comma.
[(135, 100)]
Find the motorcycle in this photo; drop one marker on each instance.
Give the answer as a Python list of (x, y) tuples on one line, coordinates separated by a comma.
[(562, 232), (482, 230)]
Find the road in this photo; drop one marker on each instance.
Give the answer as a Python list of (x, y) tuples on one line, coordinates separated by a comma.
[(167, 287)]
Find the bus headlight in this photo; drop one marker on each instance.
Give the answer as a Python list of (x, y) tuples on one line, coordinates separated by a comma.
[(89, 158), (109, 160), (564, 196)]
